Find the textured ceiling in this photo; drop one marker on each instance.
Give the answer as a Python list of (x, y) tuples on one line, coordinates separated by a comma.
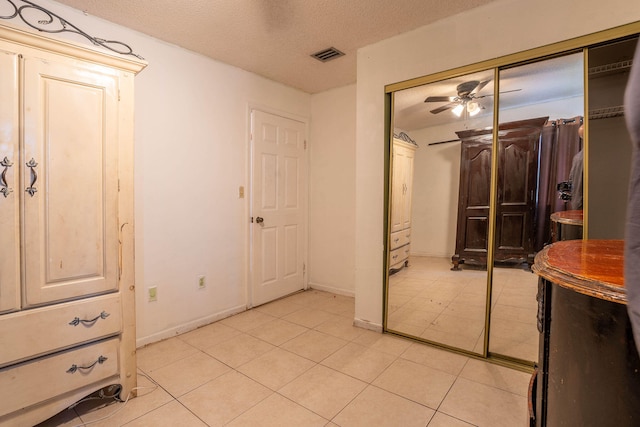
[(275, 38)]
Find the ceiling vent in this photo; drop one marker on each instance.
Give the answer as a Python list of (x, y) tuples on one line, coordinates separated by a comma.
[(327, 54)]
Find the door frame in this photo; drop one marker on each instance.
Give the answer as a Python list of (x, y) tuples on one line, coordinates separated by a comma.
[(248, 194)]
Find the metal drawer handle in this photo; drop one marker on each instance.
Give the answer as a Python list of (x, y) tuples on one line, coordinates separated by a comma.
[(397, 238), (395, 256), (5, 190), (75, 367), (76, 321), (34, 177)]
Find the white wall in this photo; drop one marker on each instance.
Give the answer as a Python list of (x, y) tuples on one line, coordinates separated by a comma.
[(191, 148), (499, 28), (192, 155), (434, 210), (332, 191)]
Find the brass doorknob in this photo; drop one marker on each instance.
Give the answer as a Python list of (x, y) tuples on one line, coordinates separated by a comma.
[(259, 220)]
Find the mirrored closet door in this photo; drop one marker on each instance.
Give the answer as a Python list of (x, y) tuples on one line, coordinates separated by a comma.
[(426, 299), (487, 167), (538, 139)]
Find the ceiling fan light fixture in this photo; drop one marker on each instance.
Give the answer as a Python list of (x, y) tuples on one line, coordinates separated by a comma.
[(457, 110), (473, 108)]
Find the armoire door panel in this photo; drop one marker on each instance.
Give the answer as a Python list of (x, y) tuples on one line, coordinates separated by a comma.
[(401, 190), (9, 184), (408, 183), (517, 187), (479, 176), (70, 175), (476, 234), (512, 231), (516, 163), (397, 196)]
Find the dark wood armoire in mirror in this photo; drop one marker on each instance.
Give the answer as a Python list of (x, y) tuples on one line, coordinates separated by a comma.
[(518, 163)]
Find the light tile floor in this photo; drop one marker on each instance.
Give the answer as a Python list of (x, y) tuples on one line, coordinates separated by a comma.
[(428, 300), (300, 362)]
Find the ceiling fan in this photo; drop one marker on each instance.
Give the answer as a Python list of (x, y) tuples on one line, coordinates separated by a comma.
[(466, 98)]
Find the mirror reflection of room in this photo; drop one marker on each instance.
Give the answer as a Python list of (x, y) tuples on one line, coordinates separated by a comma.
[(426, 299), (530, 211), (438, 293)]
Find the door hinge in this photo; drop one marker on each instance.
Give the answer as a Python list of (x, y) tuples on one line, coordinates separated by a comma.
[(118, 95), (118, 186), (304, 268), (305, 144)]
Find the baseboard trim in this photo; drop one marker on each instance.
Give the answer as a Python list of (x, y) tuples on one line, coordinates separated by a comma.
[(337, 291), (190, 326), (365, 324)]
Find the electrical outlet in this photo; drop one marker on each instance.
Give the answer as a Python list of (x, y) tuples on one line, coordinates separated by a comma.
[(153, 293), (201, 283)]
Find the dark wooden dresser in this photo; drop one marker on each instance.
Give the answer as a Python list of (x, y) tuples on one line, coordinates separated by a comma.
[(589, 369)]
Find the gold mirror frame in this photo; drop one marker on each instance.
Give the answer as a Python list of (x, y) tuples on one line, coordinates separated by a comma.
[(579, 44)]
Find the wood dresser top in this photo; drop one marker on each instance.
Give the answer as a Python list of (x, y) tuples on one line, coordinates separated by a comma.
[(568, 217), (591, 267)]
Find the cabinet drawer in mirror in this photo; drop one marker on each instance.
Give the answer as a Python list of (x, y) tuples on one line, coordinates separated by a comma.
[(400, 238), (406, 236), (398, 256), (35, 381), (396, 239), (32, 333)]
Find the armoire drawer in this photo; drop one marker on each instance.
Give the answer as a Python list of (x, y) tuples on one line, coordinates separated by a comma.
[(400, 238), (398, 256), (31, 333), (32, 382), (396, 240), (406, 236)]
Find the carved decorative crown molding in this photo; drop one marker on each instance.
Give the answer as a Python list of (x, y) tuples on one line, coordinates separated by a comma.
[(45, 21)]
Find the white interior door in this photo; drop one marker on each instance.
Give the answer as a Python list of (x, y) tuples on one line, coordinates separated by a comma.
[(278, 206)]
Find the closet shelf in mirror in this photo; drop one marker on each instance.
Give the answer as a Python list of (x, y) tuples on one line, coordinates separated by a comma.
[(615, 67), (607, 112)]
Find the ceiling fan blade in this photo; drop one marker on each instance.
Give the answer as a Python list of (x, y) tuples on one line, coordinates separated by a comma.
[(439, 99), (444, 108), (514, 90), (482, 85), (490, 94), (464, 89)]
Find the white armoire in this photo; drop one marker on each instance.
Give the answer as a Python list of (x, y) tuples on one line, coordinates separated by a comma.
[(67, 320), (403, 154)]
